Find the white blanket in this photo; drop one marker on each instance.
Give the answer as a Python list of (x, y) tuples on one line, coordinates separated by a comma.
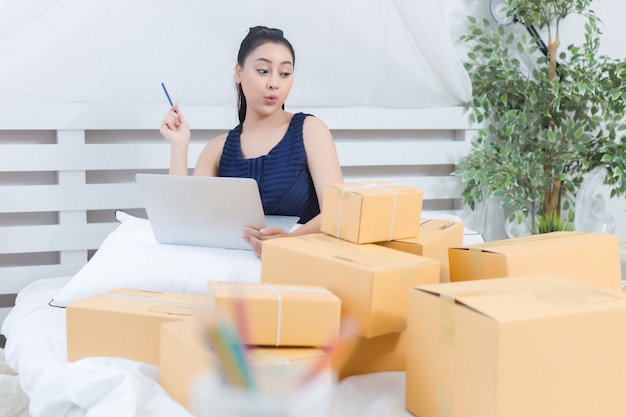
[(99, 387), (13, 400)]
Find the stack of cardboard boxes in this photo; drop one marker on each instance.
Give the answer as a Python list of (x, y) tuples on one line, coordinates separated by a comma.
[(526, 326), (288, 328), (356, 257), (355, 276)]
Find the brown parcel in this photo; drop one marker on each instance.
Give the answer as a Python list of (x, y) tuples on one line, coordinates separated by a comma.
[(540, 346), (372, 281), (435, 238), (589, 257), (378, 354), (281, 315), (371, 212), (185, 357), (125, 323)]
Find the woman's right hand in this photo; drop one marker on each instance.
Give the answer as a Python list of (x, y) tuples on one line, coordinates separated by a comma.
[(174, 127)]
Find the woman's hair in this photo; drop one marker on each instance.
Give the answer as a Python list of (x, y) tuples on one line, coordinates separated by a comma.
[(257, 36)]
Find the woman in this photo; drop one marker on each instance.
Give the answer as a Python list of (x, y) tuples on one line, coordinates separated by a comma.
[(291, 156)]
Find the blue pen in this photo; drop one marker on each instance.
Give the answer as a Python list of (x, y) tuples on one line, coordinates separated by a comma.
[(167, 94)]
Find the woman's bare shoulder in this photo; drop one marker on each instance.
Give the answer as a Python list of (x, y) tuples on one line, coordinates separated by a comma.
[(218, 141), (314, 122), (209, 159)]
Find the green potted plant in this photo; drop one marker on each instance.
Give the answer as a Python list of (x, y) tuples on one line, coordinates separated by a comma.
[(549, 115)]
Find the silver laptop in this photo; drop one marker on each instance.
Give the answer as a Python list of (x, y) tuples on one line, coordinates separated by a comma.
[(205, 211)]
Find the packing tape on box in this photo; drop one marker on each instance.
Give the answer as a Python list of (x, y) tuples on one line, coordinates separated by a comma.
[(448, 301), (444, 401), (273, 289), (475, 261), (159, 301), (279, 313), (369, 185), (446, 321), (438, 224), (355, 254), (328, 240)]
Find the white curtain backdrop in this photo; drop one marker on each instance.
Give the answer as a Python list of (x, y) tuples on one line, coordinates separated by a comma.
[(377, 53)]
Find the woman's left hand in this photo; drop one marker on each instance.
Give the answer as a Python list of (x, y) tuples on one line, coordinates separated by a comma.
[(255, 237)]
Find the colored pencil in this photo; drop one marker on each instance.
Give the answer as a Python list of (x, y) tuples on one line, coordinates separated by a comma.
[(224, 340)]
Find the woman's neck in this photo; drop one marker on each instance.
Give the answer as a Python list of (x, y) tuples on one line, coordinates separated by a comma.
[(260, 135), (255, 121)]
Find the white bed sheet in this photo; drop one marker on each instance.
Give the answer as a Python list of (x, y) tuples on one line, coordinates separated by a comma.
[(94, 387)]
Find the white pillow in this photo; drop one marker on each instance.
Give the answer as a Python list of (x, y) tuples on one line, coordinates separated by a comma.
[(131, 257)]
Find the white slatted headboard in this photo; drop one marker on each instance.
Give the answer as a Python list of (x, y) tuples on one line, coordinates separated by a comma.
[(64, 172)]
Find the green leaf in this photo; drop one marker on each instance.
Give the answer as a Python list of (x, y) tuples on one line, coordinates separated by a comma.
[(578, 133)]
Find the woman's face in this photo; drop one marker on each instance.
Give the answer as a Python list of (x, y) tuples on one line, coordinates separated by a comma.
[(266, 77)]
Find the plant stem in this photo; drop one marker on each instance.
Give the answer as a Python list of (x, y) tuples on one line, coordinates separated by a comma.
[(551, 200), (552, 52)]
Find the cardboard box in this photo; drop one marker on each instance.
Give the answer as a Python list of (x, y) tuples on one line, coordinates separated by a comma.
[(280, 315), (435, 238), (589, 257), (125, 323), (516, 347), (185, 357), (371, 212), (378, 354), (372, 281)]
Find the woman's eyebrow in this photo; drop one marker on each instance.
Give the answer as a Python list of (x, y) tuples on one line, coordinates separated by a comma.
[(269, 61)]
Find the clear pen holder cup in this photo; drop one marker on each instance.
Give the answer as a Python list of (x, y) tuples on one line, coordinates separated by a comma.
[(278, 393)]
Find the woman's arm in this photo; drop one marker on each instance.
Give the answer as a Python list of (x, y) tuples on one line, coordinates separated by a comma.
[(175, 130), (209, 159), (323, 164)]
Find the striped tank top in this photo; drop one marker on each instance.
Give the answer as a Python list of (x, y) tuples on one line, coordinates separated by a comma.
[(284, 181)]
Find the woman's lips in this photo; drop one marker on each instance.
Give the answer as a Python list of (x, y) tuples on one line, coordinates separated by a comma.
[(271, 99)]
